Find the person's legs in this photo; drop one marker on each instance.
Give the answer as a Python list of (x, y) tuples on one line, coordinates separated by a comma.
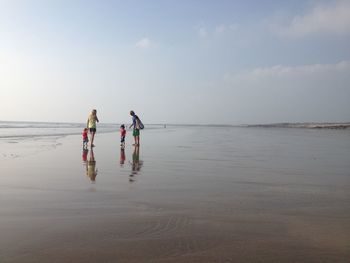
[(92, 138), (136, 134)]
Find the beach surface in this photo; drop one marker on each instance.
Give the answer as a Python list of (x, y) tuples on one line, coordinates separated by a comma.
[(187, 194)]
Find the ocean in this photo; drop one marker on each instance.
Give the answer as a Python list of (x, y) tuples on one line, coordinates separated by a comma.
[(21, 130)]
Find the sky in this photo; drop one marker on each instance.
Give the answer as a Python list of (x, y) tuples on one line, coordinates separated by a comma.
[(175, 61)]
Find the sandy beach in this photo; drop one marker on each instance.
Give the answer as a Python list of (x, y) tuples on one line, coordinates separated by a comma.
[(187, 194)]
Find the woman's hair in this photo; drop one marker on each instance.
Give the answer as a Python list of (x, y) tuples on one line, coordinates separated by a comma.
[(132, 113)]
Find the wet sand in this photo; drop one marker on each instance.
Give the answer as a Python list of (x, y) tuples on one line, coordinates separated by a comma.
[(188, 194)]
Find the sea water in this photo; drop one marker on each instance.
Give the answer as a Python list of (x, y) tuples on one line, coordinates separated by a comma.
[(21, 130)]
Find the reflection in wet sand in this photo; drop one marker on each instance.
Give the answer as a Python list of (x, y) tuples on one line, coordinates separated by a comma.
[(122, 157), (136, 163), (85, 155), (91, 170), (250, 195)]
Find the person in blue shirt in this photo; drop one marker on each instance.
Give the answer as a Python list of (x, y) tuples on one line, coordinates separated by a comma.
[(136, 128)]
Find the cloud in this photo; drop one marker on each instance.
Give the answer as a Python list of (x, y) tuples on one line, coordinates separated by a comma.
[(317, 92), (225, 28), (145, 43), (281, 74), (333, 18), (202, 32), (220, 29)]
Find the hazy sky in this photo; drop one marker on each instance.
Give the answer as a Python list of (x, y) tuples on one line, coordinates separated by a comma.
[(181, 61)]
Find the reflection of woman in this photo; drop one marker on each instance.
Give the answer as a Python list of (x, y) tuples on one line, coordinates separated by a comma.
[(136, 163), (91, 170)]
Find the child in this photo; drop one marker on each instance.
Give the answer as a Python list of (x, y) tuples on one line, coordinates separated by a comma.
[(85, 138), (122, 135)]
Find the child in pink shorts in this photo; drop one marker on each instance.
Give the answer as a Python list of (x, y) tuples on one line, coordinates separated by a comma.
[(85, 138), (122, 135)]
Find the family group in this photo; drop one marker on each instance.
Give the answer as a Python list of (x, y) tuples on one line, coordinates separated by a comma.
[(91, 127)]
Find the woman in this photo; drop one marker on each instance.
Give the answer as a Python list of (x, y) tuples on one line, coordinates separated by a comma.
[(91, 125), (136, 128)]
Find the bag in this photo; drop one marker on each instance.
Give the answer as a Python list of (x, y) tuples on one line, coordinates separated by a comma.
[(140, 124)]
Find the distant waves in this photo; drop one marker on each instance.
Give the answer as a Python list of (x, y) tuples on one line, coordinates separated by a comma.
[(43, 129), (307, 125)]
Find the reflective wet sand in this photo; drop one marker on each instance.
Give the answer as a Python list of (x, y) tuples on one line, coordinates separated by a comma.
[(187, 194)]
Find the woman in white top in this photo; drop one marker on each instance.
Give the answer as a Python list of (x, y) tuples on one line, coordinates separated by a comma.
[(91, 125)]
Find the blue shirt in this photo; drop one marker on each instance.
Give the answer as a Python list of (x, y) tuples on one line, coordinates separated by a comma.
[(134, 118)]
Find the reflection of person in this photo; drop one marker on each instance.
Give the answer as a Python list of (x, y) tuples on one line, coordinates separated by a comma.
[(136, 163), (91, 125), (136, 127), (122, 135), (91, 170), (85, 138), (84, 156), (122, 157)]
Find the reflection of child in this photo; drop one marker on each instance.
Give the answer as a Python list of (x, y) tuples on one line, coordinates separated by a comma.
[(85, 138), (122, 135), (122, 157), (84, 156)]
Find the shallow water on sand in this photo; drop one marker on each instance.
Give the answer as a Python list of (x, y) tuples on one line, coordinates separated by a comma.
[(187, 194)]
